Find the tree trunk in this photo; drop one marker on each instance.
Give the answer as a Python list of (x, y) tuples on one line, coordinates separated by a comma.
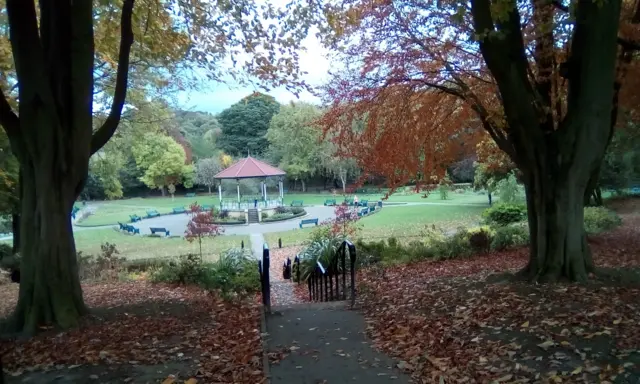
[(304, 186), (209, 189), (50, 291), (162, 191), (15, 226)]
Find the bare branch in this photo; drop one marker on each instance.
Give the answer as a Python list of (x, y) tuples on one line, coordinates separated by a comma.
[(104, 133)]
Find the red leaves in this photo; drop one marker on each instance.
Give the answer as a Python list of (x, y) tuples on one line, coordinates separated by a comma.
[(446, 321), (143, 324), (201, 224)]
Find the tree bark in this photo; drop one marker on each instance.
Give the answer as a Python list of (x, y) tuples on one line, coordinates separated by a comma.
[(50, 291), (304, 185), (558, 242), (15, 225), (209, 189)]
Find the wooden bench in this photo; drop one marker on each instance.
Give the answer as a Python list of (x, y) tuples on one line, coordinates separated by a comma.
[(131, 229), (152, 213), (329, 202), (364, 203), (297, 203), (154, 230), (308, 221), (179, 210), (135, 218), (190, 194)]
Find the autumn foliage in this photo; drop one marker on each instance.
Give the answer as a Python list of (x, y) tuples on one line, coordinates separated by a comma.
[(201, 225)]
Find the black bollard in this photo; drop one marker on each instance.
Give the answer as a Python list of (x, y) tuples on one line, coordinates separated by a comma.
[(280, 242), (242, 245), (286, 269)]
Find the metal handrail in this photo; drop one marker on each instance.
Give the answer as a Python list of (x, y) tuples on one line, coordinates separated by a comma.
[(321, 281)]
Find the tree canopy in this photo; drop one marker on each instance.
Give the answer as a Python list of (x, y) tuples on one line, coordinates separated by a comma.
[(245, 123), (163, 162)]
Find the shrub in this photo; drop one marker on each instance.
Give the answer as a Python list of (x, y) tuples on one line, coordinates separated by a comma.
[(235, 272), (504, 214), (6, 224), (279, 216), (281, 209), (187, 270), (5, 250), (265, 215), (599, 219), (456, 245), (509, 237), (223, 214), (480, 239), (106, 266), (508, 189), (296, 210), (444, 191)]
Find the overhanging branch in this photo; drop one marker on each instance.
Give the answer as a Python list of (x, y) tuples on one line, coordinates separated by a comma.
[(8, 118), (104, 133)]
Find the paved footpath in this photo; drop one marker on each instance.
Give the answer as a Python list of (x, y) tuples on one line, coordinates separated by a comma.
[(325, 343)]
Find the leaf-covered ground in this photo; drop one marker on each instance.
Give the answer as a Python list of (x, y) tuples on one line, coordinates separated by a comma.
[(141, 333), (449, 323)]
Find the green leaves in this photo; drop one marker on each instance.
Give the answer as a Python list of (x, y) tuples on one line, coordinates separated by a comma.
[(163, 161)]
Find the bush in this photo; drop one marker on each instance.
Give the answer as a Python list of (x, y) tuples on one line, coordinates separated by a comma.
[(6, 224), (235, 272), (106, 266), (5, 250), (480, 239), (223, 214), (509, 237), (279, 216), (599, 219), (508, 189), (296, 210), (265, 215), (504, 214), (280, 209)]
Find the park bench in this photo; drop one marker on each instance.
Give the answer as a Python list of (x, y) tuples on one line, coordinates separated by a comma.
[(152, 213), (206, 208), (308, 221), (372, 208), (363, 212), (131, 229), (348, 201), (135, 218), (190, 194), (179, 210), (635, 191), (364, 203), (297, 203), (329, 202), (154, 230)]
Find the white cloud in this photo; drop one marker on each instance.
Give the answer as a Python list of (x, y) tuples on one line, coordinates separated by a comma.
[(215, 97)]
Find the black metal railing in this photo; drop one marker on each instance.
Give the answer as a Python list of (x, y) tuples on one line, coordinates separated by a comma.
[(265, 284), (325, 283)]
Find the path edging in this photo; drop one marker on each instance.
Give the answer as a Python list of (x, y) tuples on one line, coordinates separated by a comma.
[(265, 348)]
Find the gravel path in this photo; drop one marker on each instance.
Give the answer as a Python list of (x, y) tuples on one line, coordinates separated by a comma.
[(282, 291)]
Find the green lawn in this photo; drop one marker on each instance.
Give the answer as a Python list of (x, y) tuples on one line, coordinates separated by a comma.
[(434, 197), (405, 223), (139, 247), (112, 212)]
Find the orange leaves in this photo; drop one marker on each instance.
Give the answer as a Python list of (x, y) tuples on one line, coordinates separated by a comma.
[(402, 133)]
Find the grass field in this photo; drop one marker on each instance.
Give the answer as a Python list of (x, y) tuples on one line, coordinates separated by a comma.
[(404, 223), (112, 212), (139, 247)]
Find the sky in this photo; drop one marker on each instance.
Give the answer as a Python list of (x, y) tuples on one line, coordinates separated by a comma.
[(215, 97)]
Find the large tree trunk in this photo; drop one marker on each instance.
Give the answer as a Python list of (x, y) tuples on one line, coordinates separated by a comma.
[(50, 291), (556, 227), (304, 185)]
